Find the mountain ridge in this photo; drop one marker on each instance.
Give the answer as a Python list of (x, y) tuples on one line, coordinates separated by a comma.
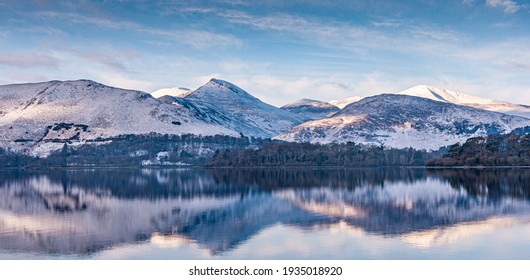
[(85, 110), (249, 115), (403, 121), (310, 108), (455, 97), (36, 118)]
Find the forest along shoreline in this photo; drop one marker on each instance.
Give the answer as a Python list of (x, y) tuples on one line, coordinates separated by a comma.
[(153, 150)]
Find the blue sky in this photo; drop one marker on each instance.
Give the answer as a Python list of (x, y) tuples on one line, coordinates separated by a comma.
[(279, 51)]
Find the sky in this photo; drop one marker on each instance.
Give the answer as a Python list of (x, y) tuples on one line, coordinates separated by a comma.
[(279, 51)]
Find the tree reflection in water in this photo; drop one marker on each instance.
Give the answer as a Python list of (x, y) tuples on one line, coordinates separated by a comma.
[(85, 211)]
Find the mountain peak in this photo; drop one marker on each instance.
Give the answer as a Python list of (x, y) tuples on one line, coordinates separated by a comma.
[(444, 95), (309, 102), (225, 85), (245, 113), (448, 96), (311, 109), (216, 89), (403, 121), (344, 102)]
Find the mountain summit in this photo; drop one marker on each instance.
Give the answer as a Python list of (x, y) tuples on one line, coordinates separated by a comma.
[(445, 95), (311, 109), (403, 121), (245, 113), (35, 118)]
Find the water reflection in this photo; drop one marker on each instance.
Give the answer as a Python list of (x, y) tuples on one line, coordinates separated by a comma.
[(58, 212)]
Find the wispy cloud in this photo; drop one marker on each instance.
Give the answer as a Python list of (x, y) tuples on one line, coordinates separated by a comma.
[(388, 23), (43, 30), (195, 38), (336, 34), (22, 76), (74, 18), (106, 59), (435, 34), (407, 36), (509, 6), (411, 38), (25, 60), (120, 81), (496, 54), (519, 65), (192, 10)]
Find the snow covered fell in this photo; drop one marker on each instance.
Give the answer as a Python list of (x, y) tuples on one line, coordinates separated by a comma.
[(454, 97), (245, 113), (311, 109), (404, 121), (33, 116)]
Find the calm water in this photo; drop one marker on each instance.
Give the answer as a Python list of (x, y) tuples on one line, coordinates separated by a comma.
[(265, 214)]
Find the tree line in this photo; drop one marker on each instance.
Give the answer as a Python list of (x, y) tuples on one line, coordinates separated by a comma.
[(306, 154), (511, 149)]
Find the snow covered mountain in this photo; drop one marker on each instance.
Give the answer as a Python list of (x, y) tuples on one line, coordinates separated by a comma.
[(404, 121), (454, 97), (34, 118), (176, 91), (38, 118), (198, 110), (244, 113), (311, 109), (344, 102)]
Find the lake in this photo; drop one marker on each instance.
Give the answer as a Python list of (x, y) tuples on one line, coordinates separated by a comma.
[(372, 213)]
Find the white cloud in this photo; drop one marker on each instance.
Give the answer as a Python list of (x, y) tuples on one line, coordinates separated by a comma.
[(109, 60), (50, 31), (411, 37), (509, 6), (195, 38), (486, 69), (388, 23), (192, 10), (434, 34), (27, 60), (120, 81), (518, 64), (495, 55), (21, 76), (314, 30)]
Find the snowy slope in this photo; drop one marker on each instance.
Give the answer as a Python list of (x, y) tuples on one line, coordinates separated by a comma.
[(454, 97), (245, 113), (198, 110), (403, 121), (311, 109), (176, 91), (34, 115), (344, 102)]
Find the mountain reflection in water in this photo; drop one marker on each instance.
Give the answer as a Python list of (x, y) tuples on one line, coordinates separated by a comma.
[(79, 212)]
